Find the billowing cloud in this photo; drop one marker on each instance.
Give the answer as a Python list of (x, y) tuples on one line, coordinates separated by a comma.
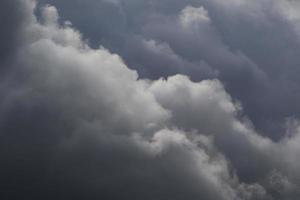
[(252, 47), (77, 123)]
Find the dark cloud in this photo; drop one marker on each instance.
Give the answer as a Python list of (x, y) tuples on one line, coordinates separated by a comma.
[(77, 123), (10, 22), (253, 45)]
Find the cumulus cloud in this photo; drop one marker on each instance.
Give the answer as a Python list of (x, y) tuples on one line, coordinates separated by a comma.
[(77, 123), (252, 47)]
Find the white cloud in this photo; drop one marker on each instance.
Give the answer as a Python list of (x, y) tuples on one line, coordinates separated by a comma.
[(191, 16)]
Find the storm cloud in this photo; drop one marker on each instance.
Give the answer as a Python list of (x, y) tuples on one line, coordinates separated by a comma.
[(252, 46), (149, 100)]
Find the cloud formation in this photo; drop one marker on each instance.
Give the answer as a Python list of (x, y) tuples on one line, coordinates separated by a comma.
[(252, 47), (77, 123)]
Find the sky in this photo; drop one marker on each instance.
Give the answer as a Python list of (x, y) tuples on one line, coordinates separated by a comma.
[(149, 99)]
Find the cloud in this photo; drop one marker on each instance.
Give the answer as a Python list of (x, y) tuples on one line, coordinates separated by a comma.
[(252, 47), (77, 123)]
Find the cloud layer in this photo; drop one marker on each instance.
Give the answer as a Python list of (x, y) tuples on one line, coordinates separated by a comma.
[(77, 123), (252, 46)]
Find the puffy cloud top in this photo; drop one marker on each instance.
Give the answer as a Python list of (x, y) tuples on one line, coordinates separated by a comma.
[(78, 122)]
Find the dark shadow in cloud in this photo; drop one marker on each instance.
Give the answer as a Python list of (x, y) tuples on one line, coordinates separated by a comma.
[(11, 16)]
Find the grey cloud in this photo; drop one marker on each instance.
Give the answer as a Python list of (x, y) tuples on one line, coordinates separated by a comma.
[(80, 125), (253, 45), (77, 123), (11, 19)]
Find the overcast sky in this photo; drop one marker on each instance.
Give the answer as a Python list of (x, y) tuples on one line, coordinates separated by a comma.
[(149, 99)]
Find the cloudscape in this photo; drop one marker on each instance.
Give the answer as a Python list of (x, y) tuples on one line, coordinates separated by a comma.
[(150, 99)]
